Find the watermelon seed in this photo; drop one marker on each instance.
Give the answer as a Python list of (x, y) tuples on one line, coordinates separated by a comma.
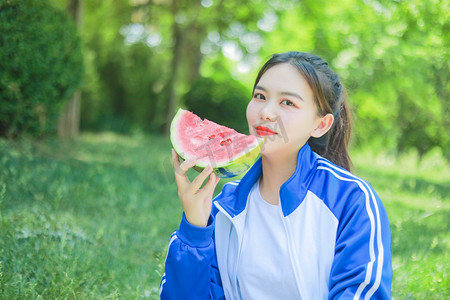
[(228, 141)]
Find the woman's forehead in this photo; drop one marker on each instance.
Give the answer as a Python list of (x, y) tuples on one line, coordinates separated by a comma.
[(284, 77)]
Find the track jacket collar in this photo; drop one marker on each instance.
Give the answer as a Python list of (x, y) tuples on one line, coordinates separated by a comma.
[(292, 192)]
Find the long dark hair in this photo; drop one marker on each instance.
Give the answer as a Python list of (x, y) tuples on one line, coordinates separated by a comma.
[(330, 97)]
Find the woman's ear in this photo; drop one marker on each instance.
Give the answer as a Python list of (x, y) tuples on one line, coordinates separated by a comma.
[(325, 124)]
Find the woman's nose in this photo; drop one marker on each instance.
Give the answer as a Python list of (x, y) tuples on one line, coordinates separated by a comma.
[(268, 112)]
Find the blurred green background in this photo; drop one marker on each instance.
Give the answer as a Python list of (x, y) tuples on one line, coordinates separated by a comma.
[(140, 59), (88, 90)]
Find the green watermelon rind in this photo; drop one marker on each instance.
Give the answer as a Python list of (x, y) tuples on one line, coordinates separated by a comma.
[(227, 169)]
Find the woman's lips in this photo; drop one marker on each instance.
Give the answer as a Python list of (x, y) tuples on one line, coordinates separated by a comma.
[(264, 131)]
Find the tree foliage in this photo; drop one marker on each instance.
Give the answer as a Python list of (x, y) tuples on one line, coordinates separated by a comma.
[(117, 80), (41, 66), (218, 100), (143, 56), (393, 57)]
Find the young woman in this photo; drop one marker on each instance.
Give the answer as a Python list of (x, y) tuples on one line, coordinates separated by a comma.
[(298, 225)]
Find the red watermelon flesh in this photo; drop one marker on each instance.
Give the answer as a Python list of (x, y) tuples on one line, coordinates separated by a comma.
[(227, 150)]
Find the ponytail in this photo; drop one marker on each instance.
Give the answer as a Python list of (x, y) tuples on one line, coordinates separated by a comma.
[(331, 97), (334, 144)]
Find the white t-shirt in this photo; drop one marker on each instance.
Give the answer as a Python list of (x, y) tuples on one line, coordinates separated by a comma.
[(264, 267)]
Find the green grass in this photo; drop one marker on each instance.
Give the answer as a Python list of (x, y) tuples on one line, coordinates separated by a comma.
[(91, 219)]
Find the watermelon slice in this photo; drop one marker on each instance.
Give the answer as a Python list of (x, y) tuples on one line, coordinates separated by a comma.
[(229, 152)]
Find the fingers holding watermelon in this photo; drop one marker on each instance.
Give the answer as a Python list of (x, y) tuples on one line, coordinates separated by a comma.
[(196, 201), (181, 168)]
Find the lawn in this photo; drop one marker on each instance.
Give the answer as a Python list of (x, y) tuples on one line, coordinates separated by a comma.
[(91, 219)]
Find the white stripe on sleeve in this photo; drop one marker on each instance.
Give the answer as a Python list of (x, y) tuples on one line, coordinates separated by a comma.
[(366, 189)]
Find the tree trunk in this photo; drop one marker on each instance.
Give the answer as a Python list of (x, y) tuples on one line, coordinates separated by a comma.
[(69, 121), (176, 51), (192, 44), (193, 53)]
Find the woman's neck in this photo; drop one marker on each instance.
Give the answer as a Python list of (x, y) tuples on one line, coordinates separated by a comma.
[(275, 172)]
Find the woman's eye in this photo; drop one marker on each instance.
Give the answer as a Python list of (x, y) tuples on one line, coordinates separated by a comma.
[(260, 96), (287, 102)]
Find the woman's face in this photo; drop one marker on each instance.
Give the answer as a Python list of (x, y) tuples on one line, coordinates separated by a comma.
[(283, 111)]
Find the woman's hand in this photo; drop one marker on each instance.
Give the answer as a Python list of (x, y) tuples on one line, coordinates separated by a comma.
[(196, 202)]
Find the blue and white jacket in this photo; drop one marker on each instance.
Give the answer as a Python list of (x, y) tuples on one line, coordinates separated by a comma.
[(338, 231)]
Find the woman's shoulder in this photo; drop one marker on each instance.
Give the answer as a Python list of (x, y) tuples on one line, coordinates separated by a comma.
[(340, 189), (335, 177)]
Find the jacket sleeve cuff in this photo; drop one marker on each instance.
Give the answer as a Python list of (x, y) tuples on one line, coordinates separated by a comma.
[(195, 236)]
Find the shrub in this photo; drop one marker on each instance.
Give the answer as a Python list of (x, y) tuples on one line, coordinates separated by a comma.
[(223, 102), (40, 63)]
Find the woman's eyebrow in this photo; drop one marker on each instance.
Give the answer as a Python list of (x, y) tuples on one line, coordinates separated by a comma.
[(293, 95), (258, 87)]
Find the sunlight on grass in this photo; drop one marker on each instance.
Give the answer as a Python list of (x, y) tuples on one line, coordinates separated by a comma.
[(91, 219)]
